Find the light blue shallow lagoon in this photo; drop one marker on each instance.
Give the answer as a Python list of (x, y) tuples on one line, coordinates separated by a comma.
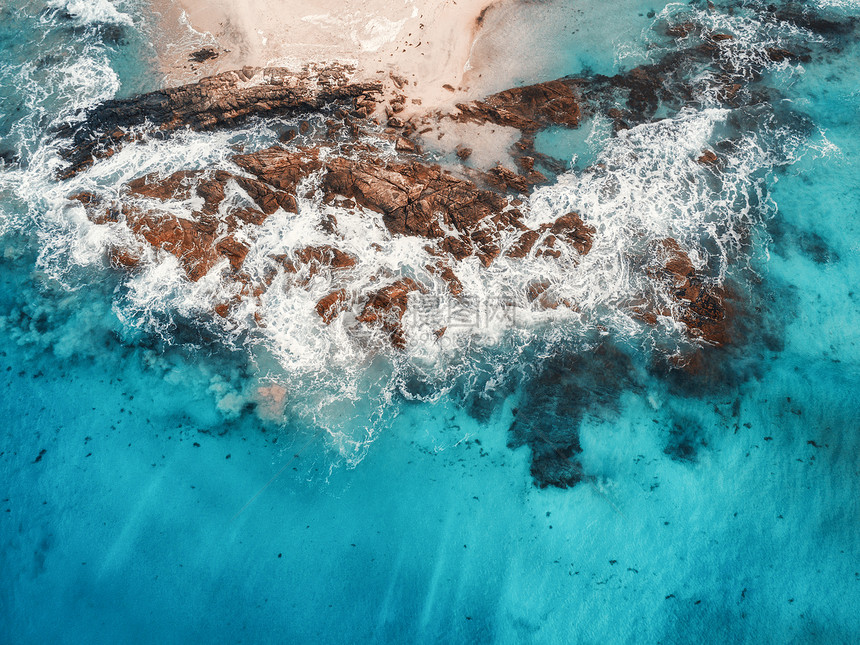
[(148, 495)]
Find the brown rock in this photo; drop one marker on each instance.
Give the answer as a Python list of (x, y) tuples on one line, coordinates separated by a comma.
[(87, 198), (413, 197), (326, 255), (680, 31), (707, 158), (445, 272), (523, 246), (777, 54), (536, 288), (506, 179), (182, 186), (699, 306), (385, 308), (574, 231), (316, 258), (123, 258), (279, 167), (249, 215), (330, 306), (217, 101), (539, 293), (569, 228), (530, 108), (97, 211), (405, 145), (268, 199), (192, 242), (233, 250)]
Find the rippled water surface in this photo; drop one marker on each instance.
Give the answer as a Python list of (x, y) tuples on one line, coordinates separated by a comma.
[(168, 476)]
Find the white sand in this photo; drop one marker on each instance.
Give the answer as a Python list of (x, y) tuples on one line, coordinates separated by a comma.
[(427, 43)]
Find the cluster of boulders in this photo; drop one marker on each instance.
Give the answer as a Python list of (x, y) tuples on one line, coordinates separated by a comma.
[(460, 212), (457, 218), (223, 100)]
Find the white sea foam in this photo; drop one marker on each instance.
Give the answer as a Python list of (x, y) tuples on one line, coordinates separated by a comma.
[(644, 185), (851, 5), (92, 12), (747, 52)]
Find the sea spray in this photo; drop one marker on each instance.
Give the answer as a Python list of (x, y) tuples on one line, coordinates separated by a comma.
[(643, 186)]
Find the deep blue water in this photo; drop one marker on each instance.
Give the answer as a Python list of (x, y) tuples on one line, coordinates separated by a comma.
[(148, 496)]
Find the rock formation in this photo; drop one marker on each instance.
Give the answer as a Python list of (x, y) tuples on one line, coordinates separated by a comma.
[(218, 101), (694, 301), (461, 213)]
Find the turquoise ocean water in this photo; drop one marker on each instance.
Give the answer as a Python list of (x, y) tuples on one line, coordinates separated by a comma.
[(148, 494)]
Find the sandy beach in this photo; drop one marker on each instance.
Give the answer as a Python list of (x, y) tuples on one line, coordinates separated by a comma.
[(420, 48)]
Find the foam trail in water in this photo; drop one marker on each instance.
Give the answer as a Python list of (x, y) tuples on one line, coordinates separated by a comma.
[(644, 186), (92, 12)]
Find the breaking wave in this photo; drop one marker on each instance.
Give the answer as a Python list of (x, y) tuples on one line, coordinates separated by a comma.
[(645, 185), (92, 12)]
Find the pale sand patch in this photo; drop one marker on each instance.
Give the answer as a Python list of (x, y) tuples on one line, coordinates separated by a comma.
[(426, 44), (490, 144)]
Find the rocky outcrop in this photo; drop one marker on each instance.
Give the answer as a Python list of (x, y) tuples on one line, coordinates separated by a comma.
[(532, 107), (463, 218), (458, 218), (707, 158), (385, 309), (423, 201), (218, 101), (695, 302), (461, 215)]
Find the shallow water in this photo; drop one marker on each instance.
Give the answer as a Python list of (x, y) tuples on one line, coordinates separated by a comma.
[(153, 493)]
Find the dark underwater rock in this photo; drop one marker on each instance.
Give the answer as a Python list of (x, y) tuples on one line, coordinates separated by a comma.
[(555, 401), (203, 54), (807, 18)]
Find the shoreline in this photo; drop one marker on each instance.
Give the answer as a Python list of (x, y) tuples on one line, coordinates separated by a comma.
[(420, 50)]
